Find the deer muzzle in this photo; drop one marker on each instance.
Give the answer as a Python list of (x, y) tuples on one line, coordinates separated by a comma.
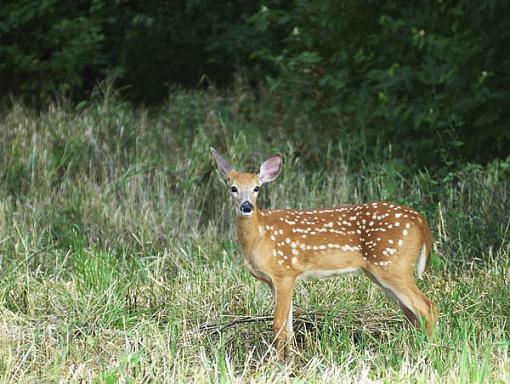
[(246, 208)]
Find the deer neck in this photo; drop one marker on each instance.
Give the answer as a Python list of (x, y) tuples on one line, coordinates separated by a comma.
[(248, 229)]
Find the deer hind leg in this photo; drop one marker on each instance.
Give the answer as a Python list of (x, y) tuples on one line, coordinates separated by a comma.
[(282, 323), (411, 300)]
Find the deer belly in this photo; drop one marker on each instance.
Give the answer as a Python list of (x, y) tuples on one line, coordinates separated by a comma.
[(321, 274), (327, 263)]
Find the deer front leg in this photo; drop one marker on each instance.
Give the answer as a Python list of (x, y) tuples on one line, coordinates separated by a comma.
[(283, 290)]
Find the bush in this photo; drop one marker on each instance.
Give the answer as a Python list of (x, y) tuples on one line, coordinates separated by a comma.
[(414, 74)]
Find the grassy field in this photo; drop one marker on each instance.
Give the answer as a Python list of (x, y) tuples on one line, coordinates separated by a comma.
[(118, 258)]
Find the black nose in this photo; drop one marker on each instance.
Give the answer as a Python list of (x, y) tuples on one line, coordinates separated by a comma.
[(246, 207)]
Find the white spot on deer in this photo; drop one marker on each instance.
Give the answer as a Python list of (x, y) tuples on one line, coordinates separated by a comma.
[(287, 240), (274, 252), (280, 253), (408, 225), (405, 232), (281, 231), (400, 242), (280, 262), (273, 238), (390, 241), (295, 252)]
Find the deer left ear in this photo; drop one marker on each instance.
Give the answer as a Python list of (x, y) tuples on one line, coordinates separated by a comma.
[(223, 164), (270, 169)]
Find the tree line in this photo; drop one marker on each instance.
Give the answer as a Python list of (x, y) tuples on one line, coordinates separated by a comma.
[(414, 73)]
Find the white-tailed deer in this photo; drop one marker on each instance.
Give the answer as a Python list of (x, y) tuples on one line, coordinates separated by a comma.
[(386, 241)]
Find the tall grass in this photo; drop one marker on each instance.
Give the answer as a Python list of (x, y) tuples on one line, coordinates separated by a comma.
[(119, 261)]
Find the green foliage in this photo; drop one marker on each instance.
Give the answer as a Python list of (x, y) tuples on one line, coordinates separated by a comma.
[(414, 74), (49, 46), (429, 78)]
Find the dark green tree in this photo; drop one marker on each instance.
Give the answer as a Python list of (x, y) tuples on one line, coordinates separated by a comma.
[(420, 74)]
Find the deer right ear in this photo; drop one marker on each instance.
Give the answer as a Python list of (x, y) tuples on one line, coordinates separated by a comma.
[(270, 169), (223, 164)]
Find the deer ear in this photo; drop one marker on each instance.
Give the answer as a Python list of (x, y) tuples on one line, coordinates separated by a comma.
[(223, 164), (270, 169)]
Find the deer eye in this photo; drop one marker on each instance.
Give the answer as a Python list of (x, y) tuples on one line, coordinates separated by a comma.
[(256, 189), (233, 189)]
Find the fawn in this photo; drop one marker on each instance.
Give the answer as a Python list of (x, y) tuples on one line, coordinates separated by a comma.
[(386, 241)]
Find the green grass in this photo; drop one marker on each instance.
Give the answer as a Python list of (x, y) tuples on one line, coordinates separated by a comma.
[(117, 251)]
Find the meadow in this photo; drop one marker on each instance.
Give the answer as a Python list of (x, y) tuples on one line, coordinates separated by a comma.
[(119, 262)]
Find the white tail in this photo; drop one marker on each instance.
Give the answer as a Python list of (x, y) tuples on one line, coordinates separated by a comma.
[(422, 262), (386, 241)]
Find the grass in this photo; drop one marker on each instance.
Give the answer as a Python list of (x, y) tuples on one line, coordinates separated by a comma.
[(119, 261)]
